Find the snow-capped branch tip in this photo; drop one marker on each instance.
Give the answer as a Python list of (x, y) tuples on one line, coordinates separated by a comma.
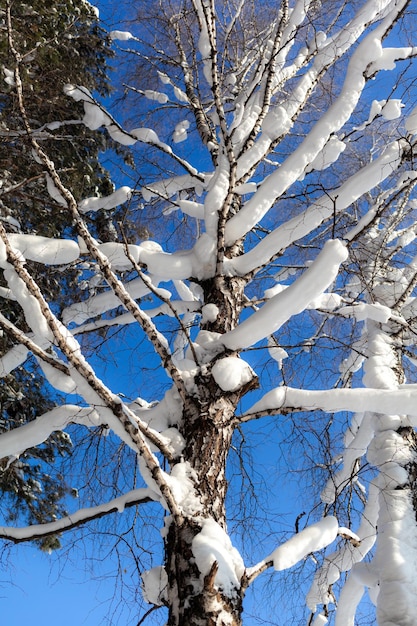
[(313, 538), (78, 518)]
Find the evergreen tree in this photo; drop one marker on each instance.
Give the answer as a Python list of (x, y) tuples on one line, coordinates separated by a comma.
[(59, 42)]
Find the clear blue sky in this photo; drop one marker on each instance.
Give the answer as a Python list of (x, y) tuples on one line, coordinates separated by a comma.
[(44, 595)]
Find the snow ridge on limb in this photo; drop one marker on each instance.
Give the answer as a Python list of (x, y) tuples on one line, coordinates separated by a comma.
[(82, 516), (278, 182), (366, 179), (280, 308), (284, 399), (313, 538)]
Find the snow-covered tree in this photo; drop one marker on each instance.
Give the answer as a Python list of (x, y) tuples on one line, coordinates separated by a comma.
[(276, 170)]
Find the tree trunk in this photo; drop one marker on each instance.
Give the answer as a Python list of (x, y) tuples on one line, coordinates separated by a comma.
[(199, 598), (196, 600)]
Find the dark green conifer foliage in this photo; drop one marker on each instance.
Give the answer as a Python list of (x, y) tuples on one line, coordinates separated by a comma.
[(59, 42)]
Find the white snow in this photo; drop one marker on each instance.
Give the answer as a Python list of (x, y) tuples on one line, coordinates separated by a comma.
[(118, 197), (121, 35), (116, 254), (276, 352), (391, 110), (274, 313), (209, 313), (54, 191), (95, 116), (168, 187), (155, 584), (9, 77), (30, 305), (56, 378), (15, 442), (180, 133), (44, 249), (385, 401), (362, 311), (191, 208), (156, 96), (213, 544), (136, 495), (281, 237), (311, 539), (231, 373), (92, 8), (330, 153), (181, 481), (276, 123)]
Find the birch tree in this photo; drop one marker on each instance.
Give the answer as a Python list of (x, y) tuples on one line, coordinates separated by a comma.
[(291, 192)]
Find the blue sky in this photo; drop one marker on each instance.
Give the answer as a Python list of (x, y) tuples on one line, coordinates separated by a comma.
[(43, 594)]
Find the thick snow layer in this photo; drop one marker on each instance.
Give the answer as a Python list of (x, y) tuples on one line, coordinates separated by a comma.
[(121, 35), (162, 415), (213, 544), (381, 364), (44, 249), (181, 481), (95, 116), (391, 110), (330, 153), (276, 122), (277, 353), (180, 133), (292, 301), (209, 313), (9, 76), (18, 354), (15, 442), (385, 401), (191, 208), (311, 539), (231, 373), (350, 596), (155, 584), (396, 559), (168, 187), (156, 96), (82, 311), (115, 199), (368, 50), (30, 305), (116, 254), (362, 311), (57, 379), (388, 57), (119, 504), (357, 185), (206, 346), (388, 447), (355, 450), (54, 191)]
